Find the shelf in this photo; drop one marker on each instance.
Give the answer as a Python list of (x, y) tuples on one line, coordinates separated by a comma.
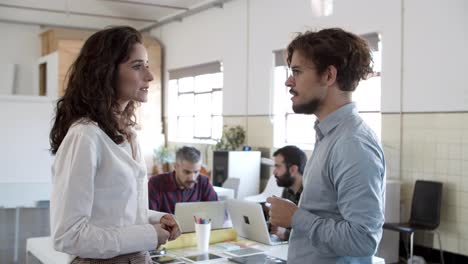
[(27, 98)]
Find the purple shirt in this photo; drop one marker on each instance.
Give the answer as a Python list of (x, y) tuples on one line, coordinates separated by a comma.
[(163, 192)]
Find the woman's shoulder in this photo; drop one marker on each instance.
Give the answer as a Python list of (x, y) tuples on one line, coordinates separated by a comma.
[(84, 127)]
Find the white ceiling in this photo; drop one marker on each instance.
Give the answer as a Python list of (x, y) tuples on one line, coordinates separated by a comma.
[(96, 14)]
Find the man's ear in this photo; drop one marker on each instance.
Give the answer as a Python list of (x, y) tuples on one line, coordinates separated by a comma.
[(293, 169), (330, 75)]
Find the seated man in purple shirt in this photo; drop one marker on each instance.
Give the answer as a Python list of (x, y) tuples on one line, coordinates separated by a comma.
[(184, 184)]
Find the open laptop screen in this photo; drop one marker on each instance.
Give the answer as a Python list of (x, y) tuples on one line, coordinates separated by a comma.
[(216, 211)]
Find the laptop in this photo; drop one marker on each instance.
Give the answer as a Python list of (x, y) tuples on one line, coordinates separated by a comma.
[(214, 211), (248, 220)]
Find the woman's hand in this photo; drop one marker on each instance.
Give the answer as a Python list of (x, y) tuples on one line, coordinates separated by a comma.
[(169, 223), (163, 234)]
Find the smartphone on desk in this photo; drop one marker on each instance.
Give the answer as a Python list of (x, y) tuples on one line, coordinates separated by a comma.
[(257, 258), (203, 258), (166, 260), (243, 252)]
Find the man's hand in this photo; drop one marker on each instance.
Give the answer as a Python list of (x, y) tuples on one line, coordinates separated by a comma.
[(169, 223), (281, 211), (163, 234), (279, 232)]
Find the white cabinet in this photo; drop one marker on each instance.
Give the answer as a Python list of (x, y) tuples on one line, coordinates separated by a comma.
[(388, 247), (243, 165)]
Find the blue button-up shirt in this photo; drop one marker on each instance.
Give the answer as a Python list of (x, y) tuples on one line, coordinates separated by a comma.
[(341, 210)]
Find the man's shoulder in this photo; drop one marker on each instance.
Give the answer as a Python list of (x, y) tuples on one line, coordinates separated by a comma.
[(160, 178), (203, 180), (204, 177)]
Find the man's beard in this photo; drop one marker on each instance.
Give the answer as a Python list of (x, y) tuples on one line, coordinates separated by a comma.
[(307, 108), (285, 181), (188, 184)]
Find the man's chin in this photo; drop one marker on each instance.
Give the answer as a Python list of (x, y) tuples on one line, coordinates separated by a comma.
[(189, 185), (308, 108)]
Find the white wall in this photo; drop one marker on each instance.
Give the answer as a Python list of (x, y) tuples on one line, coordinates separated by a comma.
[(436, 55), (20, 45), (268, 25), (24, 137), (215, 35)]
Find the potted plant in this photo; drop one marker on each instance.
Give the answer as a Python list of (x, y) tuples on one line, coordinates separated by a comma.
[(232, 138), (163, 158)]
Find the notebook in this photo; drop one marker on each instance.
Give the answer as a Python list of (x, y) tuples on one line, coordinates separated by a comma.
[(248, 220)]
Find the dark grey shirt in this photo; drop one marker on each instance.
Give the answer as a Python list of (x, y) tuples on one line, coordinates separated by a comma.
[(341, 210)]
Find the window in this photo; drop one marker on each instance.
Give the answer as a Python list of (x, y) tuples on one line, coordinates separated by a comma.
[(195, 103), (298, 129), (323, 7)]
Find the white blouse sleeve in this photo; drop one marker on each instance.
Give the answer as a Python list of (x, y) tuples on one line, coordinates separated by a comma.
[(72, 201), (154, 217)]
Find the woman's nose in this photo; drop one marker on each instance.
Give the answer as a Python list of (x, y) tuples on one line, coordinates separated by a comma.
[(149, 76)]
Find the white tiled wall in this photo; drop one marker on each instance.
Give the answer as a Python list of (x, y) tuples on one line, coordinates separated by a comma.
[(435, 147)]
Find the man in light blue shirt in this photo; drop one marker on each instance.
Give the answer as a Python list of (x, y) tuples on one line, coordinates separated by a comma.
[(340, 215)]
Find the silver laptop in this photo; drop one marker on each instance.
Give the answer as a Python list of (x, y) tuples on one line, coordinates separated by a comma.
[(248, 220), (216, 211)]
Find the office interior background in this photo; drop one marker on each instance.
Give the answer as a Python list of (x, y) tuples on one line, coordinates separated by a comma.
[(221, 63)]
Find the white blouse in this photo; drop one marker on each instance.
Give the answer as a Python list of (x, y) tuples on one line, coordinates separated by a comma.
[(99, 203)]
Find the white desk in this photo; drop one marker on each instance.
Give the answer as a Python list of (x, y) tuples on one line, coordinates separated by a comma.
[(41, 248)]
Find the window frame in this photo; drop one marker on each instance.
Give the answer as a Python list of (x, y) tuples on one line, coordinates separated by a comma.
[(174, 116)]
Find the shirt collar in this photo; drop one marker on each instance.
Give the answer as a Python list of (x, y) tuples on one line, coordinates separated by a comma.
[(290, 191), (332, 120)]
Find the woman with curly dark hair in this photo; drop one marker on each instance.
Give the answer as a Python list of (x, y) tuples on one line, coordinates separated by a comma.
[(99, 205)]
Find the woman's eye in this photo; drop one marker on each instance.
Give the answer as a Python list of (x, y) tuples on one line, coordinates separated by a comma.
[(136, 67)]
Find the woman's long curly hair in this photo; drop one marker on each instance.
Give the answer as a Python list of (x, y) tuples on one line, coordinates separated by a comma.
[(91, 91)]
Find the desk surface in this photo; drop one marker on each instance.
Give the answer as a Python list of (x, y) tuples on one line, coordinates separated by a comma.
[(41, 248)]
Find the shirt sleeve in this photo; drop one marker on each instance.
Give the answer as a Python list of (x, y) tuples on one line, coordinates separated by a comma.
[(358, 178), (153, 195), (155, 216), (72, 200), (208, 192)]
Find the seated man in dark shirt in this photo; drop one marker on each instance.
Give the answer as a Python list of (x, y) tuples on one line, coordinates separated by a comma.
[(184, 184), (290, 162)]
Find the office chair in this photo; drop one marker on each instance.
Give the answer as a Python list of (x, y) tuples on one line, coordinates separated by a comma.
[(425, 213), (271, 189), (232, 183)]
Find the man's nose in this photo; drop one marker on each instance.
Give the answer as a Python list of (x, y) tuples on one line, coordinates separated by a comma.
[(290, 81)]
